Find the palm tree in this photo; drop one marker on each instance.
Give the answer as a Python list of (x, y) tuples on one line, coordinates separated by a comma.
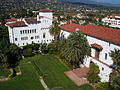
[(115, 55), (55, 30), (115, 75), (76, 48)]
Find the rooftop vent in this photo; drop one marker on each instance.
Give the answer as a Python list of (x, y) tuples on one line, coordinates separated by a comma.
[(77, 29)]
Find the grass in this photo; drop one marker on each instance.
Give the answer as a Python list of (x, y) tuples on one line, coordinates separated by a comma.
[(53, 71), (29, 80), (48, 66)]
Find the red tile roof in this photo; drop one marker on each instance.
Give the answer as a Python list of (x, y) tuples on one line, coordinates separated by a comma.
[(45, 10), (104, 33), (17, 24), (10, 20), (96, 46), (114, 16), (31, 20)]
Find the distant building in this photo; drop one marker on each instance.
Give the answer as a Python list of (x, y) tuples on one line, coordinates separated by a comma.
[(101, 40), (31, 30), (112, 21)]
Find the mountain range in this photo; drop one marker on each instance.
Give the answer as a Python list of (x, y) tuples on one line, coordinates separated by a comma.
[(92, 2)]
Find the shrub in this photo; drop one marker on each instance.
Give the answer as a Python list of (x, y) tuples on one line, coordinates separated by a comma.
[(28, 52), (44, 48), (102, 86), (92, 75)]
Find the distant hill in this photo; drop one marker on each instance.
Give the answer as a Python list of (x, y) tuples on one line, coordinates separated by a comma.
[(91, 2)]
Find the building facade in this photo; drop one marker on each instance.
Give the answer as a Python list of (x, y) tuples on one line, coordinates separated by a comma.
[(31, 30), (101, 40), (112, 21)]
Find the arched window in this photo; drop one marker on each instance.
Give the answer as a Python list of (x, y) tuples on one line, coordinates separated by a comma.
[(44, 35)]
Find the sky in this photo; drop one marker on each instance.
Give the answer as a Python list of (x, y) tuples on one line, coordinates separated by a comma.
[(108, 1)]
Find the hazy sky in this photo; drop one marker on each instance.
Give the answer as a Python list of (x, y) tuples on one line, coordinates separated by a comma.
[(108, 1)]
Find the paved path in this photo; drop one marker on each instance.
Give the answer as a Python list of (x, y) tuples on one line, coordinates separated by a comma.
[(44, 84)]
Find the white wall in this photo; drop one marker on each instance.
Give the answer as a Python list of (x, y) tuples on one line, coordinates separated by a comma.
[(107, 47), (46, 14), (41, 28)]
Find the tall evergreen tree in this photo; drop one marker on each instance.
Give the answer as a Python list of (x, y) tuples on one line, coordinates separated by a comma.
[(76, 48)]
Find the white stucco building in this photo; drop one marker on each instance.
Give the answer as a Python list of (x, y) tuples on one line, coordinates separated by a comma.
[(31, 30), (101, 40), (112, 21)]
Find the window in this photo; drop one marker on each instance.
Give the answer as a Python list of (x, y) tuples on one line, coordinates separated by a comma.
[(32, 38), (15, 39), (28, 31), (32, 31), (105, 55), (109, 44), (23, 43), (36, 37), (20, 32), (102, 69), (97, 54), (35, 30), (44, 35), (25, 31), (24, 38), (44, 41)]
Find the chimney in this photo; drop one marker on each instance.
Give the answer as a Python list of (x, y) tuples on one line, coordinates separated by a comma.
[(38, 18)]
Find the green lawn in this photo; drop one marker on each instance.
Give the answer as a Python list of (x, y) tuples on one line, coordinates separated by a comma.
[(53, 72), (29, 80), (52, 69)]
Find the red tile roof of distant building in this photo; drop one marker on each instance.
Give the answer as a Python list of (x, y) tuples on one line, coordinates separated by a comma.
[(10, 20), (104, 33), (17, 24), (45, 10), (96, 46), (31, 20)]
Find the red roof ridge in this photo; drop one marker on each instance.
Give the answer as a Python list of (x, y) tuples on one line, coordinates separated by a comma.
[(45, 10), (103, 33), (17, 24), (10, 20)]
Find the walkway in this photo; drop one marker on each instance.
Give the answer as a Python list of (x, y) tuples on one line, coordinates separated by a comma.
[(44, 84), (78, 76)]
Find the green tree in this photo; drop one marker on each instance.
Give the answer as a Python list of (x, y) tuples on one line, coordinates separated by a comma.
[(55, 30), (14, 54), (102, 86), (76, 48), (115, 75), (92, 75), (115, 55), (3, 61), (44, 48)]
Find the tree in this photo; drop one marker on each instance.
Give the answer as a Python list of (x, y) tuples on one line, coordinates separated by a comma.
[(56, 46), (44, 48), (3, 61), (115, 80), (14, 54), (92, 75), (115, 75), (115, 55), (103, 86), (76, 48), (55, 30)]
